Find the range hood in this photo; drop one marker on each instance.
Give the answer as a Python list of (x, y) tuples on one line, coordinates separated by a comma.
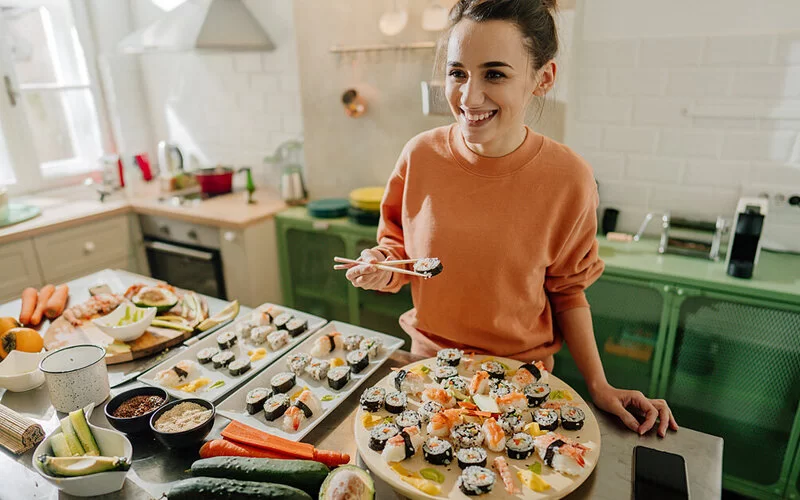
[(202, 25)]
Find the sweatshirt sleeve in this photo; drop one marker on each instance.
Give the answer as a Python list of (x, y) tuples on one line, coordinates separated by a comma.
[(578, 264), (390, 228)]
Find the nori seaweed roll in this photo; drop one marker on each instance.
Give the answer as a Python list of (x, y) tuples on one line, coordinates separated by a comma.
[(396, 402), (572, 418), (283, 382), (443, 372), (338, 377), (223, 359), (278, 339), (408, 418), (437, 451), (372, 345), (494, 369), (259, 334), (296, 363), (536, 393), (547, 418), (318, 368), (429, 265), (498, 388), (519, 446), (469, 457), (226, 340), (282, 320), (351, 342), (204, 355), (449, 357), (427, 410), (296, 326), (255, 399), (380, 434), (358, 360), (475, 481), (239, 366), (276, 406), (512, 421), (468, 435), (458, 386), (372, 399)]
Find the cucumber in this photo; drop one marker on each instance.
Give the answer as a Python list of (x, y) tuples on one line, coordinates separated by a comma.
[(59, 444), (82, 466), (212, 488), (72, 439), (306, 475), (85, 435)]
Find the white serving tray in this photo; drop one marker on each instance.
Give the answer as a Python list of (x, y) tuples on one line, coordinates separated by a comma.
[(233, 406), (241, 348)]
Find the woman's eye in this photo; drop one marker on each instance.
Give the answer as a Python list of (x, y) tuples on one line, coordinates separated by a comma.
[(494, 75), (457, 73)]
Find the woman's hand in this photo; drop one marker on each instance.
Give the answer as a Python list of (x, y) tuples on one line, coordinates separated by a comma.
[(618, 401), (365, 275)]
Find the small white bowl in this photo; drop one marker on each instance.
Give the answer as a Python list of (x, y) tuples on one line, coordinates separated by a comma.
[(19, 372), (129, 332), (111, 444)]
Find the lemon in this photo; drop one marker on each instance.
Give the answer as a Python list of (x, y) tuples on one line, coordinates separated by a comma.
[(227, 314)]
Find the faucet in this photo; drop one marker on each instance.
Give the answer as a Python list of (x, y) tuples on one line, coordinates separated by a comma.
[(103, 190)]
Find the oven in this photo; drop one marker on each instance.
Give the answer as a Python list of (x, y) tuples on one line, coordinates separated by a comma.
[(183, 254)]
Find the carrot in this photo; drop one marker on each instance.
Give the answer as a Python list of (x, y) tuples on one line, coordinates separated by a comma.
[(467, 405), (29, 298), (57, 303), (44, 295), (244, 434), (225, 448)]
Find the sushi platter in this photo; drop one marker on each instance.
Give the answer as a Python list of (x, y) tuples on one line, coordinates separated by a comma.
[(458, 426), (292, 396), (221, 362)]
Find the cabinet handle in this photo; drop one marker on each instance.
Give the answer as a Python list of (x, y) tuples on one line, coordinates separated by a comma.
[(88, 247), (680, 292), (164, 230), (192, 234), (229, 236)]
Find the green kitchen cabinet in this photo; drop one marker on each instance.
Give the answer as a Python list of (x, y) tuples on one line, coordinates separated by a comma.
[(793, 490)]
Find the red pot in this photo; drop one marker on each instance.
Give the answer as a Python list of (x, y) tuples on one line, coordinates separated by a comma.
[(215, 180)]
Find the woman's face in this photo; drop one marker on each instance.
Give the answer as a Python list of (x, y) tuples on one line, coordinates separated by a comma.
[(490, 82)]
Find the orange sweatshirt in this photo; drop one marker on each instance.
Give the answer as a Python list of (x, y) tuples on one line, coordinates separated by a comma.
[(515, 235)]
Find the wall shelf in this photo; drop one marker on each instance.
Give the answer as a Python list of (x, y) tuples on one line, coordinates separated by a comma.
[(381, 47)]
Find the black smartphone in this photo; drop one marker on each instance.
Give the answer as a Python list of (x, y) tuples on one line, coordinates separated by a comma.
[(658, 475)]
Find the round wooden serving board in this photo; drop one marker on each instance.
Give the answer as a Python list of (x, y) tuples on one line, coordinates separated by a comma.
[(560, 485)]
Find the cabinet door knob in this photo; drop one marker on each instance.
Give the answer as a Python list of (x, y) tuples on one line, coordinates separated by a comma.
[(229, 236), (88, 247), (192, 234), (164, 230)]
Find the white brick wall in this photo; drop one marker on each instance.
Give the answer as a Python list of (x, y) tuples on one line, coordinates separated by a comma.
[(636, 121)]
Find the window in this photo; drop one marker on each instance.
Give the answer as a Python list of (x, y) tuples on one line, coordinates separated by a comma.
[(50, 131)]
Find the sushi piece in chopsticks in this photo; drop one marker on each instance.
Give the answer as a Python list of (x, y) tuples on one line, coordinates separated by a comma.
[(547, 418), (475, 481), (428, 410), (408, 418), (467, 435), (537, 393), (519, 446), (304, 408), (409, 382), (479, 383), (562, 454), (501, 466), (494, 369), (351, 342), (178, 374), (239, 366), (439, 395), (514, 400), (358, 360), (259, 334), (226, 339), (380, 434), (449, 357), (428, 265), (296, 326), (318, 368), (395, 402), (283, 382), (471, 457), (442, 423), (437, 451), (444, 372), (278, 339), (403, 445), (276, 406), (204, 355), (373, 346), (494, 436), (338, 377), (527, 374), (256, 398), (326, 344), (572, 418), (282, 320), (372, 399), (296, 363)]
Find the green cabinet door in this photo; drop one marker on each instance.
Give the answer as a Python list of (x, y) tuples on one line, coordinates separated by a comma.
[(793, 489), (732, 369), (628, 318)]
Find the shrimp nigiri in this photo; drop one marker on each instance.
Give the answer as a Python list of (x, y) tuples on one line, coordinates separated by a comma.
[(443, 422), (561, 453), (511, 401), (403, 445), (304, 408), (440, 396), (479, 383), (495, 438)]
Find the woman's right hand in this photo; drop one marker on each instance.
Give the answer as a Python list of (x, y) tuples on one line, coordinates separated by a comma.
[(366, 275)]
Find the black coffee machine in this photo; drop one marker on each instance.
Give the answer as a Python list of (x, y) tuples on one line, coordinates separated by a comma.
[(745, 243)]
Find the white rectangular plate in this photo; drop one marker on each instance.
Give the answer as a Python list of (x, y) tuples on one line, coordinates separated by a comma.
[(233, 406), (240, 348)]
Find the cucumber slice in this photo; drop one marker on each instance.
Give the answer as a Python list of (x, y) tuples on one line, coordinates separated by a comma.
[(60, 447), (81, 427), (73, 442), (81, 466)]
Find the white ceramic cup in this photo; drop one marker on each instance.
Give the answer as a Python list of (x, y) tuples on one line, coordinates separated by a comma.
[(76, 376)]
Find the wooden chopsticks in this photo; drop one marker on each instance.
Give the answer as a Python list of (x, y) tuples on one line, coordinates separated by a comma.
[(387, 266)]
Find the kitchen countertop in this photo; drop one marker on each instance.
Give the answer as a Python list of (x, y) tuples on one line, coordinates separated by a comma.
[(70, 207)]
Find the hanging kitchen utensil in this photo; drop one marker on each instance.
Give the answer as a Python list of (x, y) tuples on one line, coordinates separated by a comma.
[(354, 103), (434, 17), (393, 21)]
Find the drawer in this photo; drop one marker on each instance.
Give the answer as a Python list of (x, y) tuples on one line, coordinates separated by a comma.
[(83, 249), (18, 269)]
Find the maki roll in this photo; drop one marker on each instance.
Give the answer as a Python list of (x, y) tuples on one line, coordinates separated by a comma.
[(276, 406), (239, 366), (457, 386), (296, 326), (427, 410), (408, 418), (512, 421), (318, 368), (547, 418), (358, 360), (223, 359), (304, 408), (259, 334), (519, 446), (526, 374), (449, 357), (467, 435), (471, 457), (372, 399), (296, 363), (255, 399), (244, 328), (494, 369), (409, 382), (537, 393), (403, 445), (442, 372), (326, 344), (499, 388), (475, 481), (278, 339), (572, 418), (396, 402), (437, 451), (226, 340), (372, 345), (429, 265), (351, 342), (204, 355), (283, 382), (282, 320), (380, 434), (338, 377)]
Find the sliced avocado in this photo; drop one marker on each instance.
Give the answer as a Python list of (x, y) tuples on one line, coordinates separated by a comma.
[(153, 296), (174, 325), (73, 442), (60, 447), (348, 481), (81, 427), (82, 466)]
